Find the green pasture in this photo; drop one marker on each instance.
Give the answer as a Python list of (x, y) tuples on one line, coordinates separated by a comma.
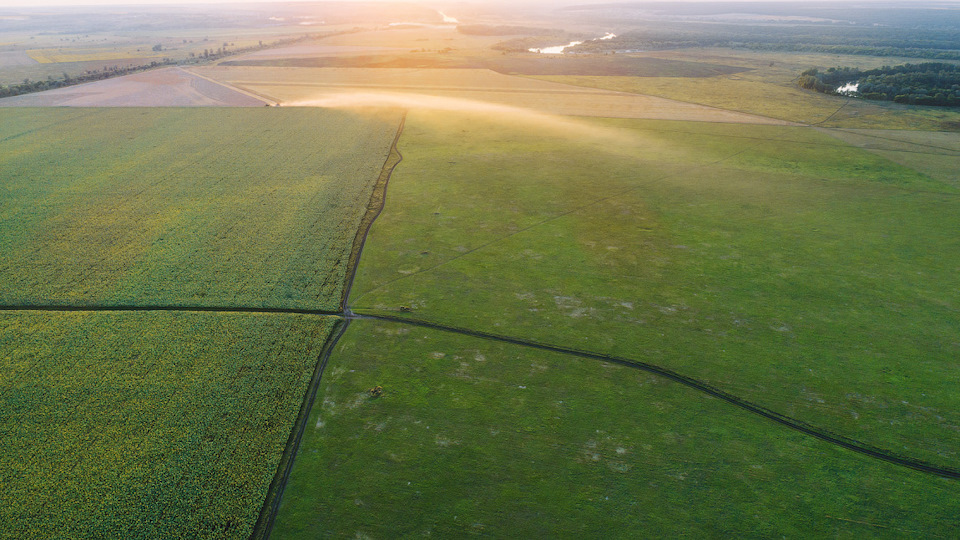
[(767, 87), (184, 207), (480, 438), (933, 153), (147, 425), (776, 263)]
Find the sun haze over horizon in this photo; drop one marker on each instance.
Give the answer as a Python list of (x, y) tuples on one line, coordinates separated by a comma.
[(81, 3)]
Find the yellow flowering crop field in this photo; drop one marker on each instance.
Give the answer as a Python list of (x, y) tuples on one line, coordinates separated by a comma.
[(164, 280), (253, 208), (147, 425)]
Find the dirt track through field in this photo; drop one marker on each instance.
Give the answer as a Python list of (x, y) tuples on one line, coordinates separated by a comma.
[(792, 423), (375, 205), (378, 200), (271, 505), (184, 309)]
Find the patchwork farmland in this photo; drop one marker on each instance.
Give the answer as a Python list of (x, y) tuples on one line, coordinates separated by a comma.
[(154, 361), (446, 290)]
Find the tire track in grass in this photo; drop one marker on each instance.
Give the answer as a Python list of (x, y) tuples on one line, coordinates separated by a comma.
[(378, 200), (184, 309), (271, 505), (854, 445)]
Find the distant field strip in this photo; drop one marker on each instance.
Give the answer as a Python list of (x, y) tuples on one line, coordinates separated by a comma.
[(79, 54), (302, 84), (792, 423), (187, 208)]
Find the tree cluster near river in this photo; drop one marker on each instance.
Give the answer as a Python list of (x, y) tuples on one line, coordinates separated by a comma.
[(930, 83)]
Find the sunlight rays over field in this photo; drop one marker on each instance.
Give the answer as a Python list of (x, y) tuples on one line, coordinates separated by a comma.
[(473, 86)]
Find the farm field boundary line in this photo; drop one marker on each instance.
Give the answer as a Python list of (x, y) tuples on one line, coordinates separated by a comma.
[(576, 91), (186, 309), (780, 121), (264, 99), (836, 112), (828, 131), (948, 151), (375, 206), (792, 423), (271, 505)]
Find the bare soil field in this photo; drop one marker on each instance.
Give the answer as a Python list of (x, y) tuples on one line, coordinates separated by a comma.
[(16, 58), (169, 87), (299, 85)]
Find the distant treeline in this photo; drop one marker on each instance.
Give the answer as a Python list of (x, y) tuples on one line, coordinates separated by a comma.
[(28, 86), (933, 44), (51, 83), (930, 83)]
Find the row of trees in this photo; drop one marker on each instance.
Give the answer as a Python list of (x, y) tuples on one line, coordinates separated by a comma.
[(930, 83), (51, 82)]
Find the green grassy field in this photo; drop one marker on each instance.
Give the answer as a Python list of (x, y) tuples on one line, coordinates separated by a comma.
[(932, 153), (528, 64), (811, 277), (473, 437), (147, 425), (184, 207)]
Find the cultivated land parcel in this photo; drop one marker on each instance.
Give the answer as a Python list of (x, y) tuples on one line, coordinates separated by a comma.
[(151, 411), (185, 207), (772, 262), (557, 249)]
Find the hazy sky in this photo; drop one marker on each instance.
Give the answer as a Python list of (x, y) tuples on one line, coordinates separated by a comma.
[(30, 3)]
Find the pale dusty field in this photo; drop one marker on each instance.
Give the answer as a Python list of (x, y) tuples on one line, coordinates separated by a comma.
[(16, 58), (169, 87), (292, 86), (311, 51)]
